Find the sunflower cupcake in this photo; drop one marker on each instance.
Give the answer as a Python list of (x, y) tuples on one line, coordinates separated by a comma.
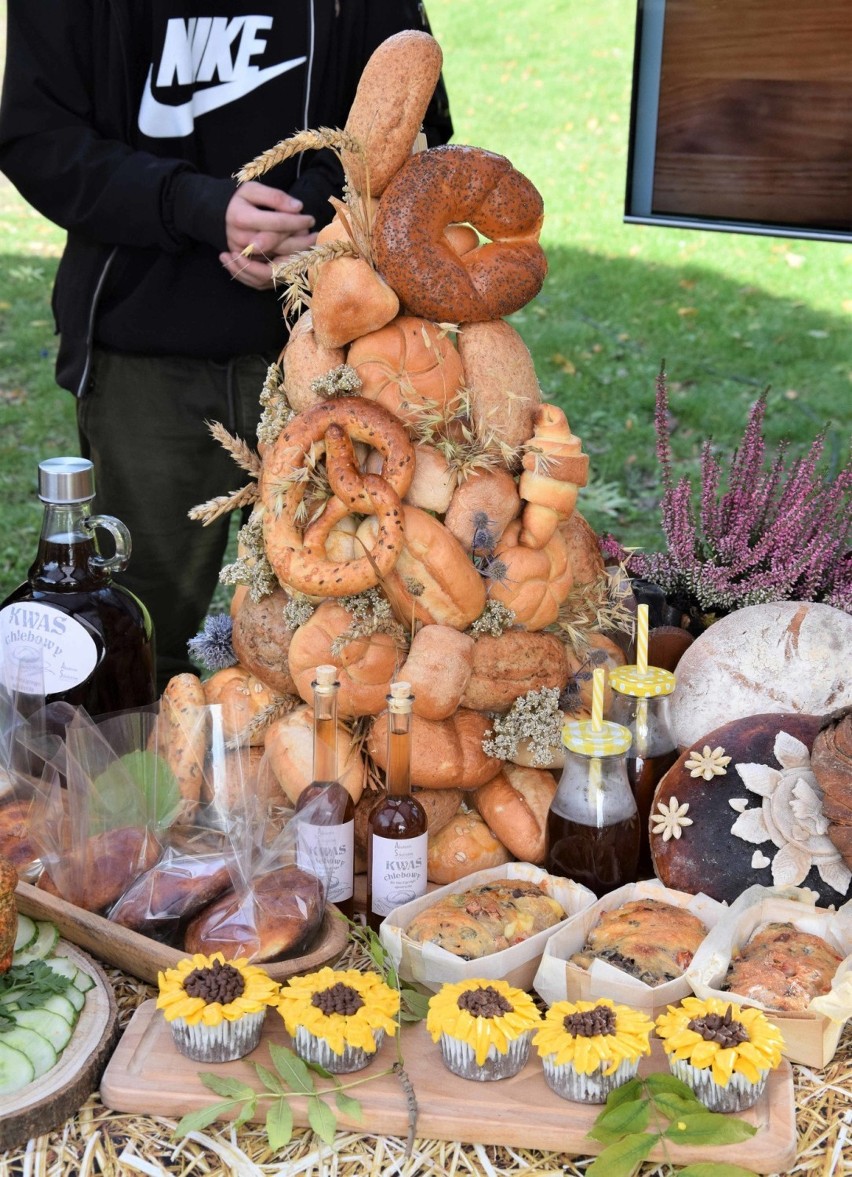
[(215, 1008), (484, 1028), (338, 1019), (588, 1048), (724, 1052)]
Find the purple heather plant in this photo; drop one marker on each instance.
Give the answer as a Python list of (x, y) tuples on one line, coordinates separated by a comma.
[(781, 531)]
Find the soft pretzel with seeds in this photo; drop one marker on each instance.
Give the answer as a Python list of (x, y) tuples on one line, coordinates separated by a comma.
[(299, 559)]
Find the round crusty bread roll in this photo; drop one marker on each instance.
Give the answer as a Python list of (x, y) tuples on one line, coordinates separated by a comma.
[(305, 360), (438, 667), (433, 581), (290, 755), (536, 581), (433, 484), (110, 861), (349, 299), (279, 914), (261, 639), (394, 91), (515, 805), (463, 846), (508, 666), (181, 736), (584, 553), (242, 698), (500, 375), (445, 754), (366, 665), (481, 508), (406, 365)]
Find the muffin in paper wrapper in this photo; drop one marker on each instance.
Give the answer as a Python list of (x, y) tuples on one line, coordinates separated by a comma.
[(559, 979), (314, 1049), (218, 1044), (569, 1083), (460, 1058), (810, 1036)]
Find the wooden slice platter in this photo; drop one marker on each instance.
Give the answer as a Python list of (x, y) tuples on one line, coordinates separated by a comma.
[(58, 1093), (147, 1075), (143, 957)]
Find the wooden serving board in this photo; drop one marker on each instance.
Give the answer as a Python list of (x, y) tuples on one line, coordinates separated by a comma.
[(143, 957), (49, 1100), (147, 1075)]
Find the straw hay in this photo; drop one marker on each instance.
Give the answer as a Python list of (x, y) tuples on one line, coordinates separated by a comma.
[(99, 1142)]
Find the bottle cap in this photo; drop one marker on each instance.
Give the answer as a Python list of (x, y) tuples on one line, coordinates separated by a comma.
[(66, 480), (642, 684), (610, 739), (326, 676), (400, 699)]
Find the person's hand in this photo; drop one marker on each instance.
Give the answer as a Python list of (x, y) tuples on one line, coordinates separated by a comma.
[(263, 225)]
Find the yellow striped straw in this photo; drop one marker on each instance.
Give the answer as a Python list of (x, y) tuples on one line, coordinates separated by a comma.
[(598, 684), (642, 639)]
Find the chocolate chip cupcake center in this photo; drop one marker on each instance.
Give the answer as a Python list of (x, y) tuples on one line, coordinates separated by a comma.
[(484, 1002), (590, 1023), (217, 982), (723, 1029), (338, 999)]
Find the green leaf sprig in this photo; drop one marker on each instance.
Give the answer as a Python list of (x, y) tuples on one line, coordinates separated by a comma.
[(28, 986), (656, 1110), (294, 1076)]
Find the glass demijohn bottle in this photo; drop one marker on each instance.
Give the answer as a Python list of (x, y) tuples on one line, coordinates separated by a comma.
[(397, 828), (92, 638), (325, 833)]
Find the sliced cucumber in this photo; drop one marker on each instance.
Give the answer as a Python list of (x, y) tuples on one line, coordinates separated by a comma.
[(63, 966), (37, 1049), (82, 981), (27, 932), (16, 1070), (50, 1025), (77, 999), (46, 940), (58, 1003)]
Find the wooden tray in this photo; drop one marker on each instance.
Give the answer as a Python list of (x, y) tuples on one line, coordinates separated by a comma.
[(48, 1101), (143, 957), (147, 1075)]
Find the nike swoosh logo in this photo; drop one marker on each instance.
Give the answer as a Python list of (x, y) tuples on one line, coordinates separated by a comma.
[(158, 120)]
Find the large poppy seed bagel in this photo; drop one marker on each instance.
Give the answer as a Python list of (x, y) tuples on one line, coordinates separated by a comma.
[(455, 184)]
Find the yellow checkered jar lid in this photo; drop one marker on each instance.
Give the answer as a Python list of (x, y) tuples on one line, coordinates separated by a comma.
[(610, 739), (642, 684)]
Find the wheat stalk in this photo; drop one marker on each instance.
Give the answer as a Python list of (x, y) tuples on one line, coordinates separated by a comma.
[(222, 504), (336, 140), (240, 451), (293, 274)]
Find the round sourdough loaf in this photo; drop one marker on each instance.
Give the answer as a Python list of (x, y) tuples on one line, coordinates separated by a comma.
[(511, 665)]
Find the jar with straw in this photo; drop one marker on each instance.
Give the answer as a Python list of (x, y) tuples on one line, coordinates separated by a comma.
[(640, 702), (593, 823)]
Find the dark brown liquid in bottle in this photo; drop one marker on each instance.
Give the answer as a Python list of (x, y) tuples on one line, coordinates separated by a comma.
[(331, 805), (600, 857), (400, 818), (644, 774), (124, 677)]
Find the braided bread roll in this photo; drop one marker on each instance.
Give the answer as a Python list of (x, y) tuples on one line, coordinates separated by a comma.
[(554, 470)]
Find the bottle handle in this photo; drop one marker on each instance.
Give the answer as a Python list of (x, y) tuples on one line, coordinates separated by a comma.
[(121, 538)]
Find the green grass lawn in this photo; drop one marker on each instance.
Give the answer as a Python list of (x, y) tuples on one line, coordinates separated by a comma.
[(731, 314)]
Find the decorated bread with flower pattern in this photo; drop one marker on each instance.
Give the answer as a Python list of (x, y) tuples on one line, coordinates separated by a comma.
[(742, 806), (650, 939)]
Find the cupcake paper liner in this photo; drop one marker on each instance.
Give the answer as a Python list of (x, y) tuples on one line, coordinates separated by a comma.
[(739, 1094), (568, 1083), (314, 1049), (218, 1044), (460, 1058)]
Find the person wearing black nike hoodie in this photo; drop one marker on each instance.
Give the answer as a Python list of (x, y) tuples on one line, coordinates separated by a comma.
[(123, 122)]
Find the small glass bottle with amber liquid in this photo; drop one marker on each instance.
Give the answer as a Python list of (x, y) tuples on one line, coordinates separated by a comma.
[(397, 827), (593, 823), (70, 627), (325, 828), (640, 702)]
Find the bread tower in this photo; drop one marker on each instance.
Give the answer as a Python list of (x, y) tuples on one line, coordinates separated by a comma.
[(415, 500)]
